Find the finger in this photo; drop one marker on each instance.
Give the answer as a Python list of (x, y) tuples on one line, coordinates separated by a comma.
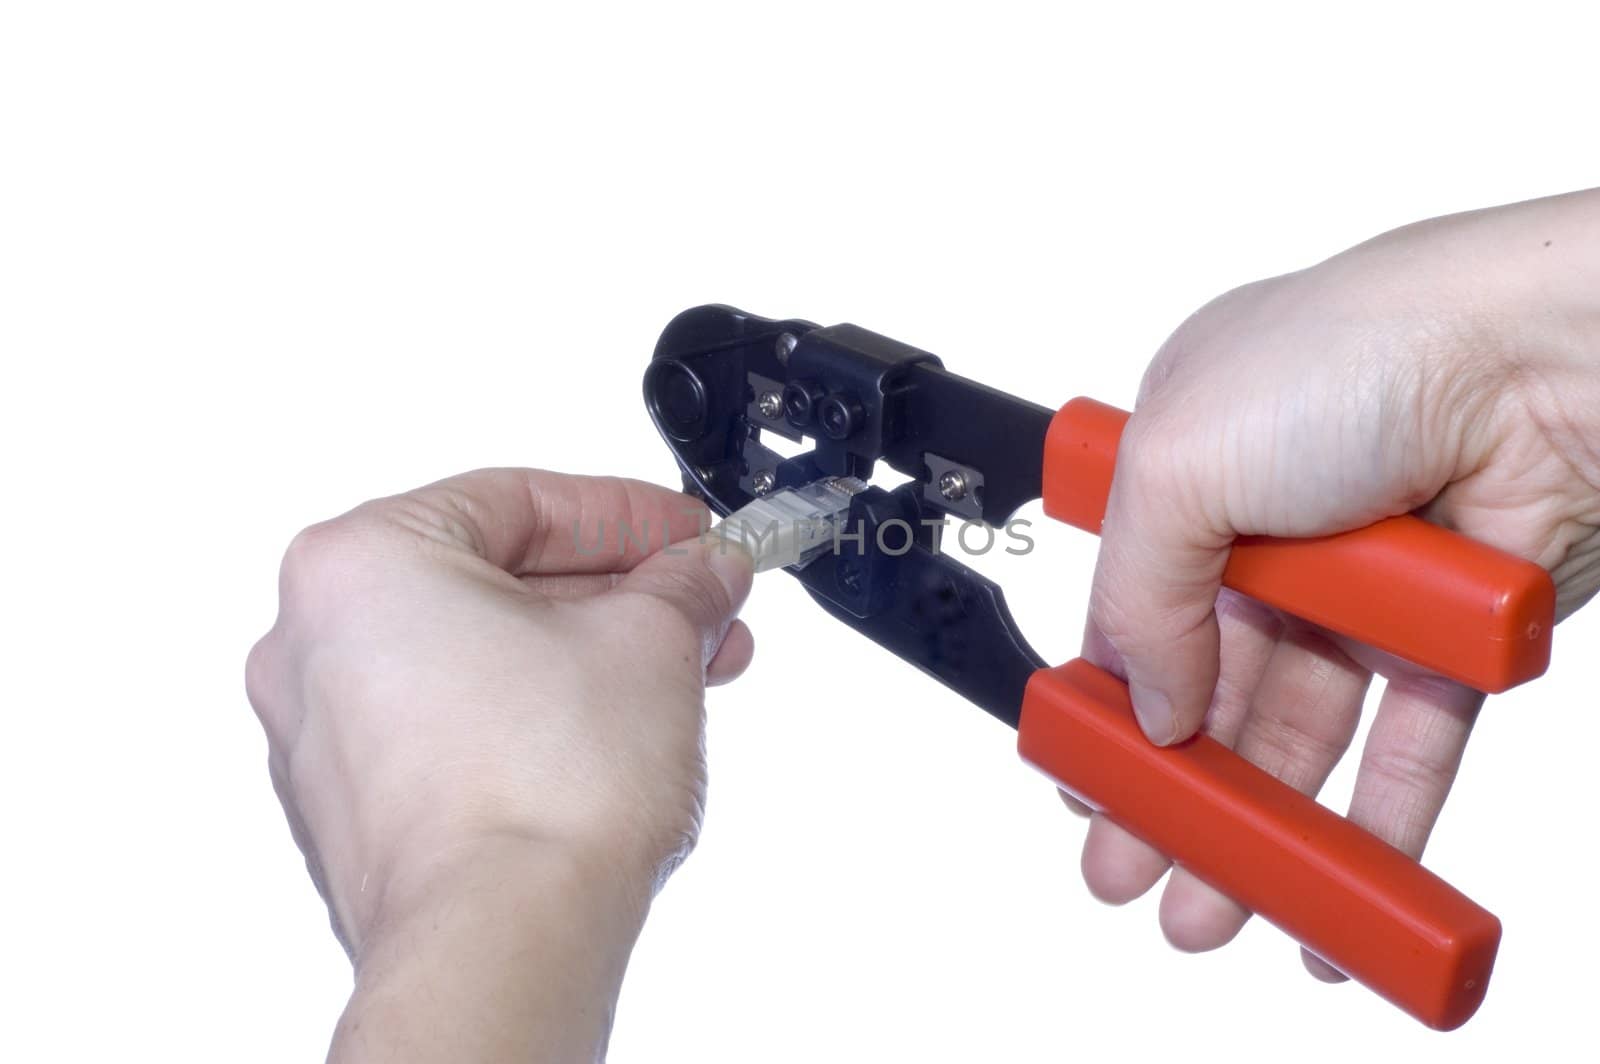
[(1303, 718), (1099, 651), (1411, 758), (1116, 865), (1119, 866), (1407, 768), (1249, 639), (1156, 583), (733, 656), (703, 584), (1075, 807), (534, 521), (1320, 969)]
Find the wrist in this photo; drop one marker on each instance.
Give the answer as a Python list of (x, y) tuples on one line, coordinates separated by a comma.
[(390, 863), (501, 948), (502, 872)]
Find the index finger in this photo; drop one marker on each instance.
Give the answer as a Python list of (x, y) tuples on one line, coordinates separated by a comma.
[(1156, 582)]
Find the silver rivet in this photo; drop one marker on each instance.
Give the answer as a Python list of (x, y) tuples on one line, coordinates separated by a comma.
[(786, 342), (771, 405), (762, 482), (953, 484)]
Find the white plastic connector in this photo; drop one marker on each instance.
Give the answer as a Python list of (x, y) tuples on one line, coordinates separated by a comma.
[(792, 526)]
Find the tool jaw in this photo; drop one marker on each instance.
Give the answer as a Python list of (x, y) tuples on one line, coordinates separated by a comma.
[(721, 379)]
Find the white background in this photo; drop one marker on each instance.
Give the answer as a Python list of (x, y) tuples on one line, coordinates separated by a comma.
[(261, 261)]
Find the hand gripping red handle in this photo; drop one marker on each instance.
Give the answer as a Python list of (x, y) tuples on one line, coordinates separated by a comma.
[(1414, 590), (1409, 588)]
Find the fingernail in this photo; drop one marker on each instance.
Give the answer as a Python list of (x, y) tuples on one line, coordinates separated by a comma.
[(1154, 712), (734, 567), (1321, 969)]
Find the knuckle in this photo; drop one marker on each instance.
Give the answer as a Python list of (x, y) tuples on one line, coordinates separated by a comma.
[(443, 515), (1408, 770), (1401, 815), (1292, 753), (1164, 455), (324, 557), (1182, 349), (257, 672), (1139, 625), (314, 549), (696, 591), (1234, 608), (1158, 518), (1108, 613), (1434, 690), (263, 685)]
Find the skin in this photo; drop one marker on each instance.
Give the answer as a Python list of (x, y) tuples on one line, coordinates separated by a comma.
[(489, 748), (1451, 368), (488, 743)]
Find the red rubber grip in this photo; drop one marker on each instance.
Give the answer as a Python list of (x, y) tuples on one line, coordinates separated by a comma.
[(1361, 905), (1415, 590)]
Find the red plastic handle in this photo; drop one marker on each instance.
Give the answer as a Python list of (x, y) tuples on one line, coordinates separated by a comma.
[(1417, 591), (1358, 903), (1409, 588)]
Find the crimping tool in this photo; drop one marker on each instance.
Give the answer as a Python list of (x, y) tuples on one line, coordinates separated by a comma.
[(720, 379)]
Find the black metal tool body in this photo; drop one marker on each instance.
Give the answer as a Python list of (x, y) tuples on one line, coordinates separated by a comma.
[(720, 379)]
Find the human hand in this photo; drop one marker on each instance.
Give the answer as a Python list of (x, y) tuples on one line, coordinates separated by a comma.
[(1448, 368), (485, 727)]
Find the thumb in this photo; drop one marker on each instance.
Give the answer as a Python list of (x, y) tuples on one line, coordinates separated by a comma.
[(705, 583), (1155, 592)]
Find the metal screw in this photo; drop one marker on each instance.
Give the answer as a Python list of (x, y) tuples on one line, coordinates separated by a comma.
[(786, 342), (953, 485), (771, 405), (763, 482)]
